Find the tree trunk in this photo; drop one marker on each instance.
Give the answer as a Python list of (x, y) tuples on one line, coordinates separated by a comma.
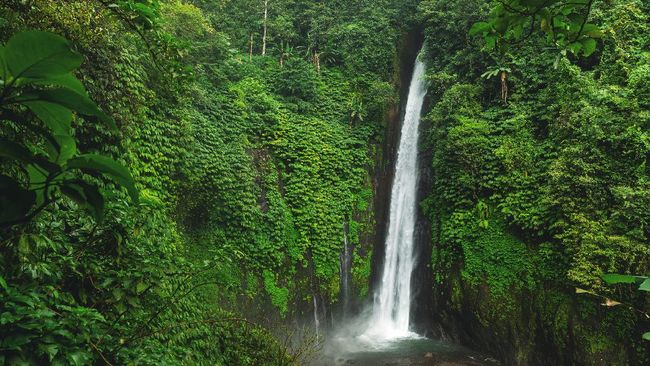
[(250, 55), (266, 15), (317, 61), (504, 88)]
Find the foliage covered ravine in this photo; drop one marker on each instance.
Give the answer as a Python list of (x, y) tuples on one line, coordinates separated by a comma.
[(249, 168), (179, 178), (541, 177)]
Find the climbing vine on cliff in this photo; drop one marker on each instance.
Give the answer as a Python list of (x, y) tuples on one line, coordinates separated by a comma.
[(540, 194)]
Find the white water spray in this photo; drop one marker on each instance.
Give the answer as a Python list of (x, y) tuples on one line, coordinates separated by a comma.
[(316, 321), (346, 264), (391, 311)]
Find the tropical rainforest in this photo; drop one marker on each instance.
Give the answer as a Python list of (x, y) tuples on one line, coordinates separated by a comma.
[(180, 179)]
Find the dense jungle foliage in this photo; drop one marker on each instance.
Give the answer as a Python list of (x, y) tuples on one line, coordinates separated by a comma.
[(243, 170), (178, 177), (540, 137)]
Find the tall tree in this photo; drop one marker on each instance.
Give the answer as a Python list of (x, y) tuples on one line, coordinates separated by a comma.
[(266, 17)]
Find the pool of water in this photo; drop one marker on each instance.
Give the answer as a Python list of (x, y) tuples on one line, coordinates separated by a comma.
[(410, 351)]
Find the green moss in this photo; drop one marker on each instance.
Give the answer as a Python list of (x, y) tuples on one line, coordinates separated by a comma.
[(499, 260), (456, 294), (361, 267), (279, 295)]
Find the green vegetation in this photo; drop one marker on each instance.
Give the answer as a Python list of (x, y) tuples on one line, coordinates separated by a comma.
[(248, 141), (564, 23), (541, 178), (32, 61), (178, 177)]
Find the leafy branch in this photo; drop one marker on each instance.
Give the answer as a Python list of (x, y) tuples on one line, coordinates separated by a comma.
[(39, 95), (565, 24)]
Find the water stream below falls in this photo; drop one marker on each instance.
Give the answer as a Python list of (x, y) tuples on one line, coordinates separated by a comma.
[(382, 335), (405, 352)]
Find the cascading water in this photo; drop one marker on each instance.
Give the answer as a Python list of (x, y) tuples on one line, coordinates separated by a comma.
[(390, 314), (316, 320), (346, 264)]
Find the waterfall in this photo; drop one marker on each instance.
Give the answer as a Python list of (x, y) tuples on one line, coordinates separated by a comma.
[(391, 310), (346, 264), (316, 320)]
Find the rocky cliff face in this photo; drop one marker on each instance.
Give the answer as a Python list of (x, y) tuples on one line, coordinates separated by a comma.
[(548, 327)]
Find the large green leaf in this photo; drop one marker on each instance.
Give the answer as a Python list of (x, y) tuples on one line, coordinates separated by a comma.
[(20, 153), (108, 166), (15, 151), (588, 46), (592, 31), (68, 99), (3, 64), (490, 42), (37, 180), (51, 147), (613, 278), (37, 54), (66, 80), (16, 202), (645, 286), (79, 358), (575, 47), (55, 116), (50, 349), (67, 148), (479, 27), (86, 195), (646, 336), (532, 2), (95, 200)]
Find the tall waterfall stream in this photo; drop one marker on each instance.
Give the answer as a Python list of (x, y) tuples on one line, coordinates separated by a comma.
[(390, 314), (382, 334)]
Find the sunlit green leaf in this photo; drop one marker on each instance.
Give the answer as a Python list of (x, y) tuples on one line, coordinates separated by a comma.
[(479, 27), (490, 42), (68, 99), (645, 285), (3, 66), (50, 349), (37, 178), (66, 80), (592, 31), (107, 166), (619, 278), (575, 47), (55, 116), (79, 358), (589, 46), (117, 294), (67, 147), (37, 54), (141, 286)]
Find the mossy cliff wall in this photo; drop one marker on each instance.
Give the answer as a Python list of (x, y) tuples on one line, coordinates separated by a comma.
[(533, 198)]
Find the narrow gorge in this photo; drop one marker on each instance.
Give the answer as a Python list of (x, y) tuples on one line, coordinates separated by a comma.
[(325, 183)]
